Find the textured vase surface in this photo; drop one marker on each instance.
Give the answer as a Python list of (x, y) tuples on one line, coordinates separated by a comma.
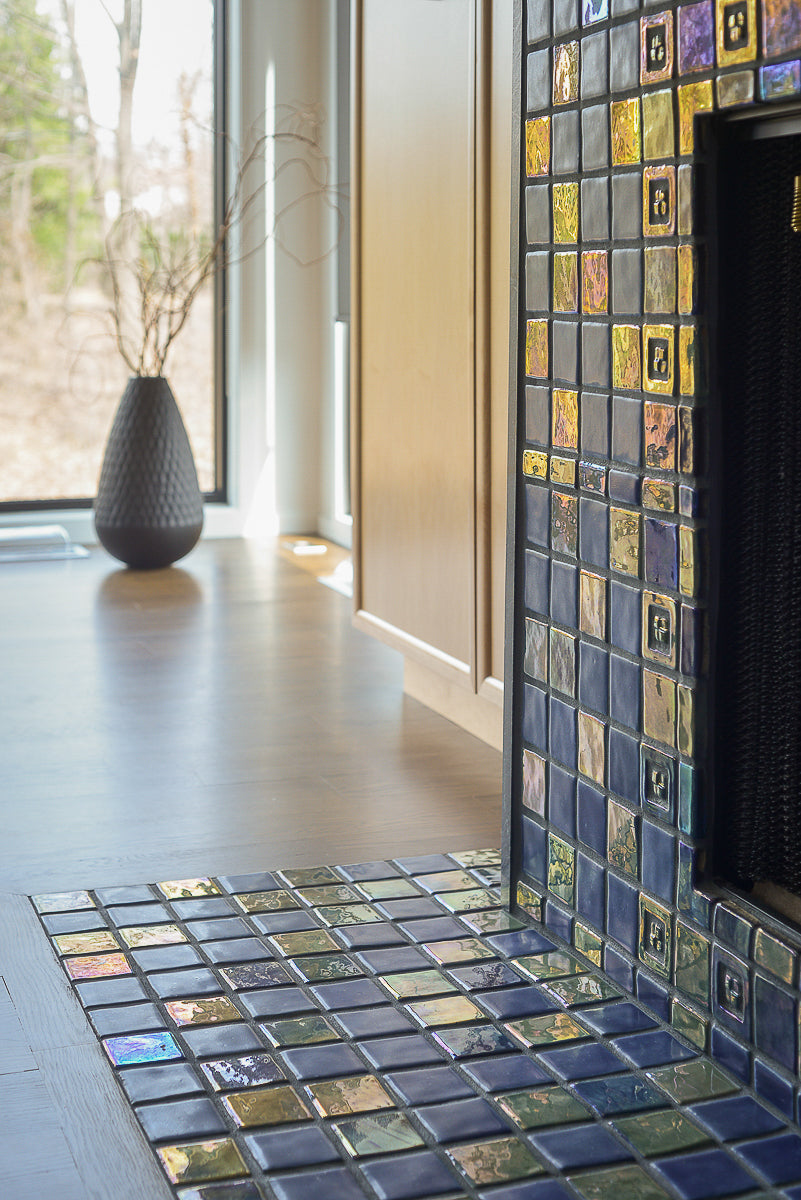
[(149, 509)]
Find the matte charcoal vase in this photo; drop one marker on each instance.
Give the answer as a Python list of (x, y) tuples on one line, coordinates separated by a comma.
[(149, 510)]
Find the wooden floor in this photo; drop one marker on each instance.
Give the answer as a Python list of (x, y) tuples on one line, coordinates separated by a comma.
[(215, 718)]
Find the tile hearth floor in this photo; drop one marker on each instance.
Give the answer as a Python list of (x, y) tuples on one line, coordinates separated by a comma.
[(387, 1030)]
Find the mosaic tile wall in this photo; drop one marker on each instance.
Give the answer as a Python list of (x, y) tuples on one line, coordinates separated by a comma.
[(607, 804)]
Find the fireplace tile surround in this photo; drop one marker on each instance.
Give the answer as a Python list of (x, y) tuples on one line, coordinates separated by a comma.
[(608, 781)]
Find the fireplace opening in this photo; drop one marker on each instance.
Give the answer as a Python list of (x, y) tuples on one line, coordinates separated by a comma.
[(754, 211)]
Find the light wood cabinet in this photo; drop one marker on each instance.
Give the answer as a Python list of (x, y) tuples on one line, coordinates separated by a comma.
[(431, 271)]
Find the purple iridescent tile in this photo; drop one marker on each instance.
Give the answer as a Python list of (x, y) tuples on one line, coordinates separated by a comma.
[(143, 1048), (781, 26), (661, 560), (696, 37)]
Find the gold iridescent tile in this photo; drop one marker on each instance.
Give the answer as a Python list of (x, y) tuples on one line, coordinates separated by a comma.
[(384, 1133), (339, 893), (535, 465), (688, 562), (563, 662), (537, 349), (656, 48), (310, 876), (684, 199), (658, 359), (592, 593), (588, 943), (658, 127), (659, 628), (477, 858), (347, 914), (545, 1106), (659, 201), (565, 282), (692, 963), (495, 1161), (658, 495), (565, 204), (624, 541), (468, 901), (554, 964), (407, 984), (538, 146), (688, 280), (564, 522), (774, 956), (660, 279), (322, 967), (300, 1031), (561, 868), (628, 1182), (275, 901), (399, 889), (566, 73), (626, 356), (529, 901), (93, 942), (357, 1093), (594, 282), (663, 1132), (206, 1010), (137, 936), (621, 837), (188, 889), (685, 721), (655, 936), (451, 1010), (689, 445), (735, 89), (696, 1079), (564, 418), (736, 28), (660, 435), (689, 359), (201, 1162), (97, 966), (279, 1105), (692, 98), (659, 707), (563, 470), (446, 881), (591, 748), (533, 782), (306, 941), (57, 902), (689, 1024), (460, 950), (626, 138), (582, 989), (546, 1030)]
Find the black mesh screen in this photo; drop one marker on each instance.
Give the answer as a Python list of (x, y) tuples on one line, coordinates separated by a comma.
[(757, 683)]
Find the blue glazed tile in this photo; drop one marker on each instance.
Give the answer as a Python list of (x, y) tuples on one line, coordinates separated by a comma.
[(730, 1055), (126, 1018), (536, 582), (620, 1017), (564, 593), (291, 1148), (622, 913), (351, 993), (590, 890), (425, 864), (594, 532), (180, 1119), (562, 732), (125, 989), (84, 921), (369, 871), (409, 1051), (774, 1089), (138, 914), (408, 910), (558, 920), (507, 1072), (625, 617), (658, 861), (618, 968), (260, 881), (624, 765), (691, 816), (591, 824), (276, 1001), (474, 1040), (323, 1062), (136, 894), (373, 1022), (654, 1048), (594, 678), (538, 517), (164, 958), (619, 1094), (692, 626), (218, 1040), (409, 1176), (733, 929), (585, 1146), (210, 906), (653, 995), (429, 1085), (509, 1003), (535, 721), (200, 981), (775, 1022), (335, 1183), (624, 486), (284, 922), (461, 1120), (225, 927), (159, 1082), (440, 929), (239, 950), (534, 860), (562, 800), (704, 1175), (520, 941), (735, 1013), (393, 958), (484, 975), (372, 934), (735, 1117), (626, 430), (690, 901), (535, 1189), (777, 1159), (661, 553), (581, 1062), (624, 691)]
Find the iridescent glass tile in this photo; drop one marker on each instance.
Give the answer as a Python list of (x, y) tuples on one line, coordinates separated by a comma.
[(656, 47), (565, 282), (780, 79), (566, 73), (347, 914), (460, 950), (625, 123), (300, 1031), (696, 37), (298, 877), (594, 282), (535, 662), (446, 881), (468, 901), (255, 975), (547, 1029), (592, 605), (473, 1040), (564, 418), (305, 941), (588, 943), (538, 146), (695, 1079), (689, 359), (94, 942), (624, 541), (537, 349), (621, 836), (735, 89), (257, 902), (658, 366), (658, 126), (627, 1182), (692, 963), (736, 31), (565, 203), (495, 1161), (399, 889), (659, 201), (408, 984), (546, 1106), (533, 782), (138, 936), (592, 477), (134, 1049), (206, 1010), (659, 707), (687, 287), (564, 522), (326, 966), (583, 989), (660, 279), (591, 748), (339, 893), (529, 901), (658, 495), (659, 428), (535, 465), (664, 1132), (186, 889), (356, 1094), (252, 1070), (477, 858), (655, 938), (688, 1024), (97, 966), (692, 98), (685, 720), (451, 1010), (659, 628), (384, 1133), (594, 10), (199, 1162), (626, 356), (266, 1106), (774, 956), (56, 902), (781, 26), (563, 471), (563, 662), (554, 964), (561, 868), (688, 562), (495, 921)]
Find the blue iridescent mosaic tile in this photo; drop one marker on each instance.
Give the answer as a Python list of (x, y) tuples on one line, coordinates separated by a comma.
[(428, 1085), (502, 1073), (585, 1146), (620, 1017), (704, 1175), (619, 1094), (581, 1062), (653, 1048), (409, 1176), (462, 1120), (777, 1159), (735, 1117), (335, 1183)]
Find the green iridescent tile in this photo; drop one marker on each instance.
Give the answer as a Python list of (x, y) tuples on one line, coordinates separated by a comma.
[(300, 1031), (137, 936), (339, 893), (692, 963), (326, 966), (657, 494), (588, 943), (774, 956), (200, 1162), (254, 975), (451, 1010), (554, 964), (561, 868), (492, 921), (565, 282), (477, 858), (97, 966), (621, 837), (56, 902), (546, 1106), (566, 73), (563, 662), (307, 941), (689, 1024), (446, 881), (408, 984), (624, 541), (206, 1010), (266, 1106), (565, 200), (252, 1070), (471, 901), (384, 1133), (347, 914), (94, 942), (529, 901), (356, 1094), (188, 889), (664, 1132), (655, 939), (696, 1079), (583, 989), (387, 889), (495, 1161), (256, 902), (547, 1029), (461, 950), (472, 1041), (310, 876), (618, 1183)]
